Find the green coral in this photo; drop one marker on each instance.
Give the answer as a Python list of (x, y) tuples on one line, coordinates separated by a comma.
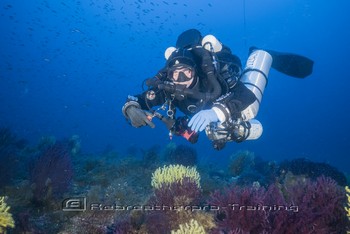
[(6, 219), (174, 173), (193, 227)]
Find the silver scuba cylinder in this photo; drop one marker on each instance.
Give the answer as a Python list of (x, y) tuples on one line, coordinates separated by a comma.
[(250, 130), (238, 130), (254, 77)]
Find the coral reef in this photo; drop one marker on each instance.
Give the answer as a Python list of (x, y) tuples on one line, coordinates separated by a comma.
[(175, 186), (239, 201), (247, 168), (298, 206), (151, 157), (182, 154), (136, 193), (89, 222), (6, 219), (177, 199), (11, 157), (174, 173), (110, 182), (192, 227), (177, 194), (8, 138), (347, 207), (302, 166), (51, 172), (320, 205), (75, 144), (241, 161), (168, 150), (122, 226)]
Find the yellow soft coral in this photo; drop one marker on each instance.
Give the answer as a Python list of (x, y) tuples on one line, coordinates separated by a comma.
[(6, 219), (193, 227), (347, 209), (174, 173)]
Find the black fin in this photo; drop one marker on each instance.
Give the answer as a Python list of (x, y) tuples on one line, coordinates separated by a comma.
[(290, 64)]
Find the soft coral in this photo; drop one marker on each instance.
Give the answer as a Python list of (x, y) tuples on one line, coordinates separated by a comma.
[(303, 206)]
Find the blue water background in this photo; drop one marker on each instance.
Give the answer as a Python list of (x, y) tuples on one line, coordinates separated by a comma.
[(66, 68)]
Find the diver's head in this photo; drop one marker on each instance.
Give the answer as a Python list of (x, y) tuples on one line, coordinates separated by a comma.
[(182, 68), (182, 74)]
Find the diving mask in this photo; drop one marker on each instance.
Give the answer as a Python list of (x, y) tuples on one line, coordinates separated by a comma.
[(181, 74)]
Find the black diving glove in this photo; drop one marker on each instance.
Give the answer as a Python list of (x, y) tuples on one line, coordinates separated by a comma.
[(136, 116), (206, 59)]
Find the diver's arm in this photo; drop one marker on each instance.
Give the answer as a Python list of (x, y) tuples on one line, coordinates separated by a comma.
[(151, 98), (234, 102), (147, 99), (136, 108), (139, 104)]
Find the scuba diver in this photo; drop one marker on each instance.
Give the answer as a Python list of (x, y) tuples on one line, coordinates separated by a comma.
[(204, 81)]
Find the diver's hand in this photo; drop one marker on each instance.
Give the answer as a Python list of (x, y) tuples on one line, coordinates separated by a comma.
[(200, 120), (138, 117)]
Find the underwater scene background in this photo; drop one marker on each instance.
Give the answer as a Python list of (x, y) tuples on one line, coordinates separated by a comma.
[(66, 68)]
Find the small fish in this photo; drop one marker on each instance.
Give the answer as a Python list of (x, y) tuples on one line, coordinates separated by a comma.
[(7, 7)]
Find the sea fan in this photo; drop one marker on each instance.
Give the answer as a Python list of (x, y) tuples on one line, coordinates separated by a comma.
[(52, 172)]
